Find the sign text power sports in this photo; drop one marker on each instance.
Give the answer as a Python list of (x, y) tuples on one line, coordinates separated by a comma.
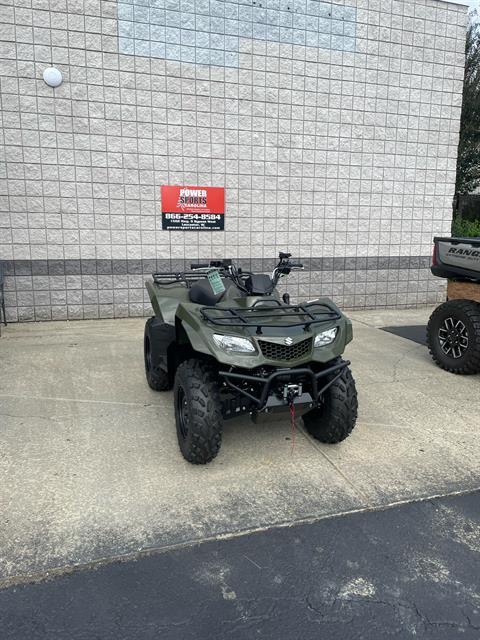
[(193, 208)]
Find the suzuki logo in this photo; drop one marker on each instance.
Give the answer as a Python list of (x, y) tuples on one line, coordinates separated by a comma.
[(288, 341)]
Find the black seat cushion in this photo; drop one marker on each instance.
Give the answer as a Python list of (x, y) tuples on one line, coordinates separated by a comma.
[(201, 293)]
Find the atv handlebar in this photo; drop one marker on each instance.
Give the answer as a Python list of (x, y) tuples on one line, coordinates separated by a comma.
[(239, 277)]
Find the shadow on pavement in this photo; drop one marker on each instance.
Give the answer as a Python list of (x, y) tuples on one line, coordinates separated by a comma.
[(417, 333)]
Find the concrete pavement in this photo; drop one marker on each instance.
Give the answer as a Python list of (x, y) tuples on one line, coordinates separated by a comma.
[(90, 468)]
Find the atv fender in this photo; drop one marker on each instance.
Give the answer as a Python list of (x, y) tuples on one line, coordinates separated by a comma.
[(162, 336), (348, 331), (193, 329), (163, 306)]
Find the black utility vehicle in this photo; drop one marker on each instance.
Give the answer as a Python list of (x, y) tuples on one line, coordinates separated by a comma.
[(453, 332)]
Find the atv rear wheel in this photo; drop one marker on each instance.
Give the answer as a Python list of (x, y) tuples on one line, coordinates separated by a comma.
[(198, 414), (335, 418), (453, 336), (157, 378)]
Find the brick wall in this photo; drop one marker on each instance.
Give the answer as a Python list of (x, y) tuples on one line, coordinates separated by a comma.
[(333, 128)]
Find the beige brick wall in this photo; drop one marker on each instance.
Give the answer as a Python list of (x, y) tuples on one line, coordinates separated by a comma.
[(342, 152)]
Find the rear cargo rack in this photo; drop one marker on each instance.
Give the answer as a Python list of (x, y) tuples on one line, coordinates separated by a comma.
[(267, 313), (166, 278)]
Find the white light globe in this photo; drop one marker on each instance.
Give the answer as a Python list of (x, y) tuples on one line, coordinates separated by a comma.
[(53, 76)]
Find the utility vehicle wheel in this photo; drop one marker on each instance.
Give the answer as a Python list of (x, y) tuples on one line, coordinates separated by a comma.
[(453, 336), (157, 378), (197, 411), (334, 420)]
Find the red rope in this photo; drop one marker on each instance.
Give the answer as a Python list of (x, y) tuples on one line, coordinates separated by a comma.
[(292, 426)]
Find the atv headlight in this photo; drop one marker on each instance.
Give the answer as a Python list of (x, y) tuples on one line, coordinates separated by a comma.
[(326, 337), (233, 344)]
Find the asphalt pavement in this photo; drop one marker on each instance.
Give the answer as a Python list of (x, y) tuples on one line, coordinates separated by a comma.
[(411, 571)]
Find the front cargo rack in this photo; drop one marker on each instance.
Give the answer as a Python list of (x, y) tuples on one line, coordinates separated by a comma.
[(268, 313)]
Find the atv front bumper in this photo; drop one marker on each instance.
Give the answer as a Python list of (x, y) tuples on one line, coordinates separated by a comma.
[(317, 383)]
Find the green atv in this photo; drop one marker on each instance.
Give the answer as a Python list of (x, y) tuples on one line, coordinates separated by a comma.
[(229, 345)]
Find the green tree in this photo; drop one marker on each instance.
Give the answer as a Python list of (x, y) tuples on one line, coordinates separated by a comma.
[(468, 162)]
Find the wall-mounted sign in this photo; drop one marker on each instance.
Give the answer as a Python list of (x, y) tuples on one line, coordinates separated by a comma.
[(193, 208)]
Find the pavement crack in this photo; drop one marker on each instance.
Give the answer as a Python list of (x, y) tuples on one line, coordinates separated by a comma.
[(318, 447), (334, 612), (400, 359), (470, 624), (253, 562), (147, 403)]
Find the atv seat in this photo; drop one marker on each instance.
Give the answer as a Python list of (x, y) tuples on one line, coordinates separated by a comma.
[(201, 293)]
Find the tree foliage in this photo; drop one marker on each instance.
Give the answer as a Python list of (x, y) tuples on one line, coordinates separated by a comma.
[(468, 163), (465, 228)]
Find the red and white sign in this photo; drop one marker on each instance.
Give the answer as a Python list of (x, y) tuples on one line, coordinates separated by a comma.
[(193, 208)]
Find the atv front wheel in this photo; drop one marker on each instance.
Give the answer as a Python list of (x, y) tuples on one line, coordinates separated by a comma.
[(157, 378), (335, 418), (198, 413), (453, 336)]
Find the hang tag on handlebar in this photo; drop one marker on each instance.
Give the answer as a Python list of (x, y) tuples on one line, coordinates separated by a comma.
[(215, 282)]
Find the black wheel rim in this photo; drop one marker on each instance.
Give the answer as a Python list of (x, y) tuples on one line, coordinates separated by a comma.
[(148, 356), (453, 338), (182, 410)]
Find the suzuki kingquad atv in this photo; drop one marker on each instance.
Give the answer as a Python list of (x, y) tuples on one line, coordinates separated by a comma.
[(229, 345)]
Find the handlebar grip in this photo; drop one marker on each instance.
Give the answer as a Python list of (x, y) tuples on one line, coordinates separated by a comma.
[(199, 265)]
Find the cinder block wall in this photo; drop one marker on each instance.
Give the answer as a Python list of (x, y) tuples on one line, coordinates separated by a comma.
[(333, 128)]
